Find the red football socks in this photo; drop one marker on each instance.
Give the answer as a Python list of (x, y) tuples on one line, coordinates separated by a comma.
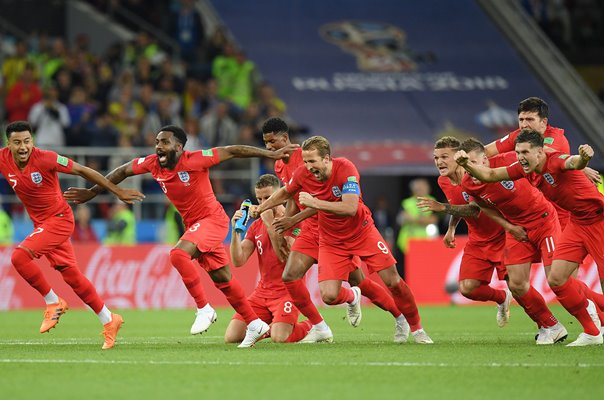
[(236, 297), (486, 293), (82, 287), (575, 302), (301, 297), (181, 260), (27, 268), (300, 331), (345, 295), (535, 307), (379, 296), (403, 297)]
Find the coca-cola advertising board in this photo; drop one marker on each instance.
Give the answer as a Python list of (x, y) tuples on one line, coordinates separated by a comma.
[(432, 271), (135, 277)]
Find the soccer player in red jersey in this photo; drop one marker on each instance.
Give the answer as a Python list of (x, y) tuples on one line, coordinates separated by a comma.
[(484, 251), (556, 175), (32, 173), (184, 178), (270, 300), (305, 251), (522, 205), (346, 229)]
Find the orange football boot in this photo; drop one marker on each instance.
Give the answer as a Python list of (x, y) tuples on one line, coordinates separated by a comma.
[(110, 330), (52, 314)]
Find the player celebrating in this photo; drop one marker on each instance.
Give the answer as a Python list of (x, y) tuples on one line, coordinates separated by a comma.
[(346, 228), (484, 251), (32, 173), (556, 175), (184, 178), (305, 251), (270, 300)]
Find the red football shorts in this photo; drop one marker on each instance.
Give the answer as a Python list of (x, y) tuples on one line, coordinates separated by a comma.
[(479, 260), (336, 262), (307, 242), (542, 242), (579, 240), (273, 310), (208, 234), (51, 239)]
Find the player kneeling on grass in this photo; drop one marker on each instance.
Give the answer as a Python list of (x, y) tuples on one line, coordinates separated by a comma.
[(270, 300)]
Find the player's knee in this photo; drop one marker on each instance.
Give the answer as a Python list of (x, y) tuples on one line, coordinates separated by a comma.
[(329, 297), (555, 279), (232, 337), (20, 257), (279, 337), (466, 287), (518, 288)]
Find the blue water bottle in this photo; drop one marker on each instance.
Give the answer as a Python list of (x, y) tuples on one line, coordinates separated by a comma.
[(240, 225)]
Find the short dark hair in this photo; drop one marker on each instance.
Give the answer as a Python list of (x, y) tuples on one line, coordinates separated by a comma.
[(274, 125), (472, 144), (267, 180), (534, 138), (18, 126), (447, 142), (178, 133), (534, 104), (318, 143)]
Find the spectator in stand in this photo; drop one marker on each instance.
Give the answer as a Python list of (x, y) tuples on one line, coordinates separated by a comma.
[(384, 220), (57, 58), (218, 128), (13, 66), (163, 116), (216, 44), (195, 139), (147, 98), (83, 232), (23, 95), (49, 118), (121, 227), (192, 101), (268, 100), (81, 112), (64, 85), (188, 30), (6, 227)]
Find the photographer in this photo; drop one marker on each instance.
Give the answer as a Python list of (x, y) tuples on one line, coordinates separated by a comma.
[(50, 118)]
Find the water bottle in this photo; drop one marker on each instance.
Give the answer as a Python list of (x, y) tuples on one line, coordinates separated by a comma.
[(240, 225)]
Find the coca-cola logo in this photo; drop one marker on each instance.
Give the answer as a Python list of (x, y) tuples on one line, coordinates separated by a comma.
[(7, 283), (127, 282)]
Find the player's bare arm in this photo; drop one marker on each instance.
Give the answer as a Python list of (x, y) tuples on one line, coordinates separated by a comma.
[(347, 207), (279, 197), (461, 210), (242, 151), (449, 238), (581, 160), (82, 195), (481, 172), (282, 224), (240, 250), (126, 195), (517, 231), (491, 149)]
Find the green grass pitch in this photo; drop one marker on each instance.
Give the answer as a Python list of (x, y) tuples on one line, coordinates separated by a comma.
[(156, 358)]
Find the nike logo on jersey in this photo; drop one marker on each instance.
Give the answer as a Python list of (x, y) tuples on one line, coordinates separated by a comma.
[(11, 175), (257, 236)]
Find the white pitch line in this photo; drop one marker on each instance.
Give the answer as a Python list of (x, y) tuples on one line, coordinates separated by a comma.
[(311, 363)]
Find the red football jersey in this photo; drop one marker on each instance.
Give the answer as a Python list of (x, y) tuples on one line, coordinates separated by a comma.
[(37, 186), (569, 189), (518, 201), (481, 229), (271, 284), (187, 185), (552, 137), (334, 228)]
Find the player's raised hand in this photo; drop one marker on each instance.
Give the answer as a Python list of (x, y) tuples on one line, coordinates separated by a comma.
[(254, 211), (238, 214), (306, 199), (78, 195), (282, 224), (586, 152), (285, 151), (130, 196), (427, 204), (461, 157)]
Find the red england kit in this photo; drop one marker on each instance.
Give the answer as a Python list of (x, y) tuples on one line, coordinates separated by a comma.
[(270, 300), (188, 187), (553, 138), (571, 190), (285, 171), (484, 250), (37, 186), (343, 237), (522, 205)]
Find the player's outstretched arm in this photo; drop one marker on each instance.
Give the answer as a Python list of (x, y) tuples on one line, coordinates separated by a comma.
[(581, 160), (449, 238), (515, 230), (242, 151), (461, 210), (279, 197), (491, 149), (282, 224), (347, 207), (126, 195), (240, 250), (481, 172)]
